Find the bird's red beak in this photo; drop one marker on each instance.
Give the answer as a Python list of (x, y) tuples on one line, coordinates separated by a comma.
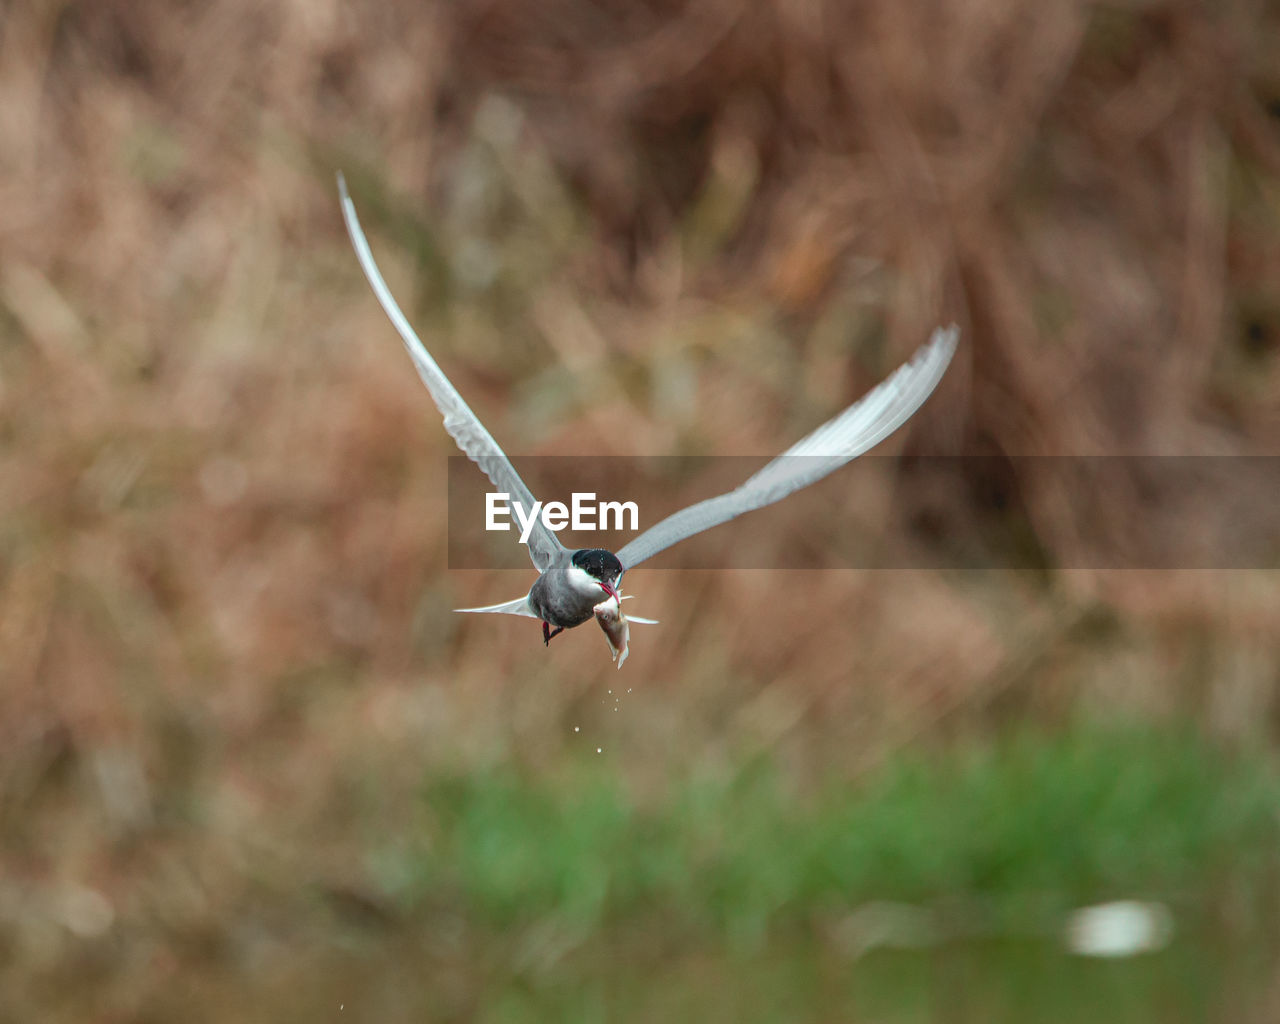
[(608, 588)]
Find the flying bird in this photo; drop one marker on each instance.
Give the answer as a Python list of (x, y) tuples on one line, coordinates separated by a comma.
[(575, 586)]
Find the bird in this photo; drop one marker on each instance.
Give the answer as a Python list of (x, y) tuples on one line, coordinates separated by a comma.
[(575, 586)]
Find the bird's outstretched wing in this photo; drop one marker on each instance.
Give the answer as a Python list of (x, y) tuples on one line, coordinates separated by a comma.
[(860, 427), (520, 606), (461, 423)]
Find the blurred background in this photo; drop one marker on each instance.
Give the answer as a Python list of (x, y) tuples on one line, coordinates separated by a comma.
[(251, 766)]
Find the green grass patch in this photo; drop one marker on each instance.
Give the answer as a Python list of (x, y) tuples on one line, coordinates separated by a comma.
[(1008, 834)]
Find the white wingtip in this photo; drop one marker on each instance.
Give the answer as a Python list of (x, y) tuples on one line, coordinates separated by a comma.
[(945, 339), (637, 618)]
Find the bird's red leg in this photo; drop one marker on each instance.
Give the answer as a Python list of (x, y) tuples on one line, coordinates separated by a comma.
[(548, 633)]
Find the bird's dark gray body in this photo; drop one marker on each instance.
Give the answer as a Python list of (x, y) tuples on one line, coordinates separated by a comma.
[(567, 593), (556, 602)]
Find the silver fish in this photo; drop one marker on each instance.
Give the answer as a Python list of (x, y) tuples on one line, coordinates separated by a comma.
[(613, 621)]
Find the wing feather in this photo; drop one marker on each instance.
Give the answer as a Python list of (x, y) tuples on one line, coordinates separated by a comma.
[(838, 441), (462, 424), (520, 606)]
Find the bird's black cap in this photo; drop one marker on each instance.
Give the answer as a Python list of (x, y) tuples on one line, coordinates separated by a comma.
[(598, 563)]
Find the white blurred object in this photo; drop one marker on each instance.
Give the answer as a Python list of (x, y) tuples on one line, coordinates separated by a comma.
[(1123, 928), (85, 912)]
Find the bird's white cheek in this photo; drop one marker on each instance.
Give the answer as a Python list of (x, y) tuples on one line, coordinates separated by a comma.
[(582, 582)]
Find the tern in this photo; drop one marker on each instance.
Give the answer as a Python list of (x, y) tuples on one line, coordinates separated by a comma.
[(570, 584)]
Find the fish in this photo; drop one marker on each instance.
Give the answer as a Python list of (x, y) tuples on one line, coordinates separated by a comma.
[(613, 620)]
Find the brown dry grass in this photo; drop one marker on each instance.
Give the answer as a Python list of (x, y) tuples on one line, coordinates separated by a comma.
[(225, 652)]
